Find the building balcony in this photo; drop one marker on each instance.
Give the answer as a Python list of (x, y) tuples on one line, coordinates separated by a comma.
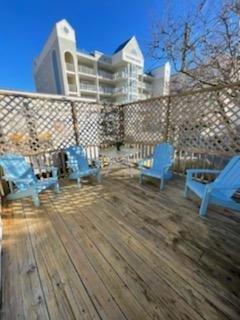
[(105, 59), (105, 75), (86, 70), (120, 75), (70, 67), (106, 90), (120, 90), (72, 87), (85, 54), (88, 87)]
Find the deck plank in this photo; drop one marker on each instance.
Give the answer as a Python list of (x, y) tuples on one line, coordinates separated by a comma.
[(117, 288), (188, 253), (22, 294), (119, 250)]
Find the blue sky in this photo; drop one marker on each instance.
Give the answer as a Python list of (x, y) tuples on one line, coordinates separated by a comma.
[(99, 24)]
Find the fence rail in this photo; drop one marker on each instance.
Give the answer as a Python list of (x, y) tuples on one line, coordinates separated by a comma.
[(203, 125)]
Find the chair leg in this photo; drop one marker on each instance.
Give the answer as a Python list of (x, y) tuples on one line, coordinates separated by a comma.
[(56, 188), (204, 204), (79, 182), (161, 184), (36, 200), (141, 178), (203, 208), (186, 191), (99, 177)]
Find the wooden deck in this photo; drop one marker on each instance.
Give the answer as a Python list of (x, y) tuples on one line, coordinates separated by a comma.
[(119, 250)]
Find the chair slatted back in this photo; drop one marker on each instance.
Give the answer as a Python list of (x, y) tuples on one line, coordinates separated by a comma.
[(16, 167), (230, 176), (162, 156), (77, 158)]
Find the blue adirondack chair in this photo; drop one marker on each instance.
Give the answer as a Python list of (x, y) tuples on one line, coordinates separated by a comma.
[(22, 180), (219, 192), (162, 164), (78, 164)]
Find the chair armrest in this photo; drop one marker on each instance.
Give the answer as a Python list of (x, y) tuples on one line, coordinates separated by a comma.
[(210, 188), (203, 171), (190, 172), (17, 180), (226, 188)]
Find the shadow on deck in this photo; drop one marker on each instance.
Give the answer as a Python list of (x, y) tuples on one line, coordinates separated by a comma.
[(119, 250)]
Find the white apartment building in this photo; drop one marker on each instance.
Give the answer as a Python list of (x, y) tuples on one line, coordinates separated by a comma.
[(61, 68)]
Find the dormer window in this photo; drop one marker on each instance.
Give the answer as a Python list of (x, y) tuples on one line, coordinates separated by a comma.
[(65, 29)]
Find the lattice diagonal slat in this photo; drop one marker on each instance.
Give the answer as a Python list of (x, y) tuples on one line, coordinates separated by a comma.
[(34, 125), (207, 121), (87, 115), (146, 121)]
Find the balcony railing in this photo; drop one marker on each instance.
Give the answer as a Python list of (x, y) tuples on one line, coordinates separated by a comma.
[(70, 67), (120, 90), (88, 87), (105, 59), (106, 90), (120, 75), (106, 75), (72, 87), (85, 52), (86, 70)]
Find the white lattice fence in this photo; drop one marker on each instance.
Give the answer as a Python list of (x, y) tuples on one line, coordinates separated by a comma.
[(206, 121), (145, 122), (34, 125), (203, 122), (111, 125)]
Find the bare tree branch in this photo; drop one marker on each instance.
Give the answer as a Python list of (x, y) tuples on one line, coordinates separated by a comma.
[(202, 47)]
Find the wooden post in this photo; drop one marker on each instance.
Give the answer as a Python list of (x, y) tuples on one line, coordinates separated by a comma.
[(166, 134), (75, 123)]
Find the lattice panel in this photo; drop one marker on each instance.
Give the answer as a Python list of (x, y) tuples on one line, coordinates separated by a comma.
[(88, 117), (99, 124), (111, 124), (146, 121), (207, 121), (34, 125), (14, 131)]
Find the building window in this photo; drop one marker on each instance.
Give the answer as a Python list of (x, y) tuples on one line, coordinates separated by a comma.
[(56, 72)]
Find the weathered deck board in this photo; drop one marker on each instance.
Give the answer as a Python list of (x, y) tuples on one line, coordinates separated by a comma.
[(23, 296), (119, 250)]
